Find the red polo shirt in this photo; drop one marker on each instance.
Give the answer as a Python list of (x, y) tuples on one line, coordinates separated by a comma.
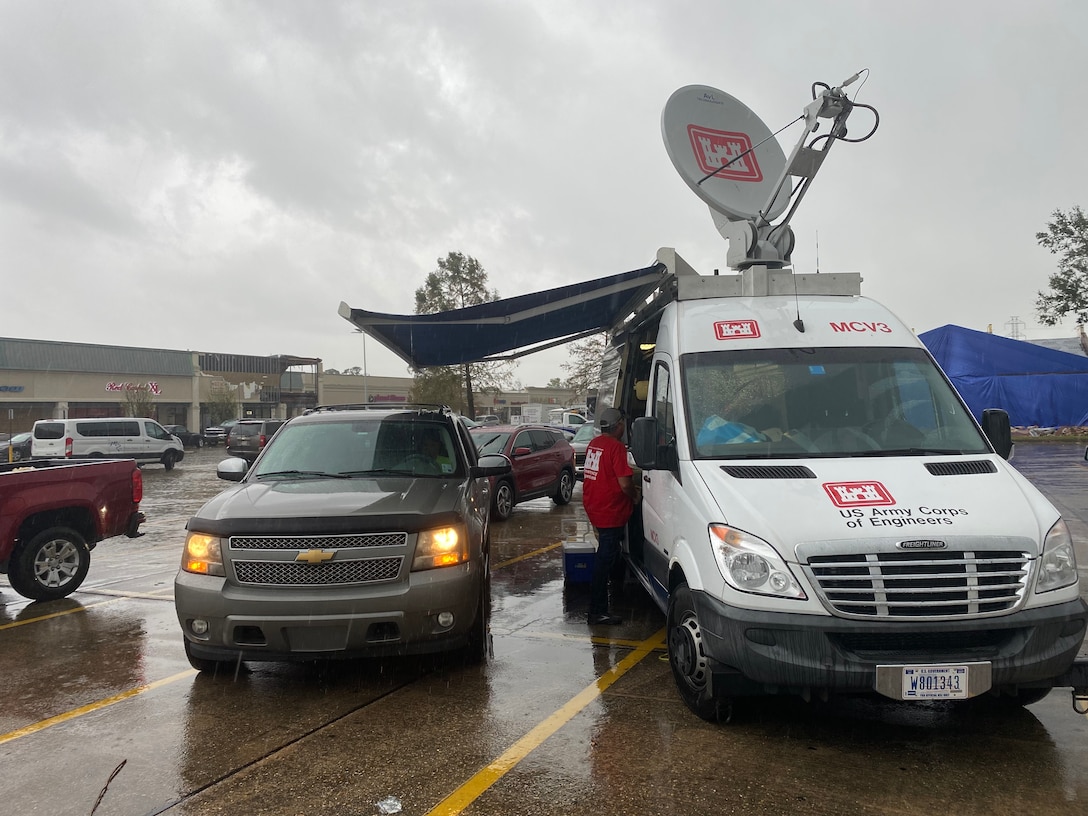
[(605, 503)]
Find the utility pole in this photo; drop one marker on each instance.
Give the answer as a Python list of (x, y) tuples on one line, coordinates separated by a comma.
[(1013, 326)]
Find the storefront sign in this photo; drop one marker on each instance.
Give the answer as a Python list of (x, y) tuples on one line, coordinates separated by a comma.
[(153, 387)]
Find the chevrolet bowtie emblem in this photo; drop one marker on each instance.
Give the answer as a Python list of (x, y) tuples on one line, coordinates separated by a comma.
[(315, 556)]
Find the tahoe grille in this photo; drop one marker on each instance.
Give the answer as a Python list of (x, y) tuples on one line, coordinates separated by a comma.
[(337, 542), (327, 573), (922, 584)]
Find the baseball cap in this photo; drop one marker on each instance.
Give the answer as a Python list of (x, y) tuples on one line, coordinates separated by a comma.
[(608, 418)]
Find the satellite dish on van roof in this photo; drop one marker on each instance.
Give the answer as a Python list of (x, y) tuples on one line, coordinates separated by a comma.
[(724, 153)]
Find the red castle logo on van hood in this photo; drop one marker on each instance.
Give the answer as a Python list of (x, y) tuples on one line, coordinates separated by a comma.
[(858, 494)]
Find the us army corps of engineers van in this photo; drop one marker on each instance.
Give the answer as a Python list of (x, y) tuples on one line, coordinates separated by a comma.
[(820, 511)]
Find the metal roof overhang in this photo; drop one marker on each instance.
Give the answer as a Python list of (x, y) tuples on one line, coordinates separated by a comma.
[(521, 325)]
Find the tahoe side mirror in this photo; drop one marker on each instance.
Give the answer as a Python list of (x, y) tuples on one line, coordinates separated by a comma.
[(996, 426)]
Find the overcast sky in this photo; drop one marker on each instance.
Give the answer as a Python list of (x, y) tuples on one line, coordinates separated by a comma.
[(219, 176)]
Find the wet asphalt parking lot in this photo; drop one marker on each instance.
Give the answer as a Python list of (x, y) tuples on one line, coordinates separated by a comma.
[(102, 712)]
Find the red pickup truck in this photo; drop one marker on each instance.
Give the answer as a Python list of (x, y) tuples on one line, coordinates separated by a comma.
[(54, 511)]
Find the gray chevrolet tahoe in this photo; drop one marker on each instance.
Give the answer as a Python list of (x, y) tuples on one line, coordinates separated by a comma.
[(359, 531)]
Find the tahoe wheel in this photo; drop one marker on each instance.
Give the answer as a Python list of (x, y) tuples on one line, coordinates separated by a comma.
[(504, 500), (209, 666), (479, 636), (687, 658), (50, 565), (565, 488)]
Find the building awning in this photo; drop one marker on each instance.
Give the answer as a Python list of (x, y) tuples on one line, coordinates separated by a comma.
[(509, 328)]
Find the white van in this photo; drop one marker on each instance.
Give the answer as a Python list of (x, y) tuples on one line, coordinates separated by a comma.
[(139, 438), (820, 511)]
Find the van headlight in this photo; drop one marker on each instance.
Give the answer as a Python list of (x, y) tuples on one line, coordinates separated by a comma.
[(1058, 565), (203, 555), (441, 547), (751, 565)]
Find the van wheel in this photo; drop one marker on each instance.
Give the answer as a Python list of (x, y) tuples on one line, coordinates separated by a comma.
[(51, 565), (504, 500), (565, 489), (688, 661), (168, 460)]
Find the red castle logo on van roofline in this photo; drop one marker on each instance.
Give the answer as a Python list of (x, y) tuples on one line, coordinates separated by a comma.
[(714, 149), (736, 329)]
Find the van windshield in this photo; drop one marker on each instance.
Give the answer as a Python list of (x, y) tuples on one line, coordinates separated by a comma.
[(796, 403)]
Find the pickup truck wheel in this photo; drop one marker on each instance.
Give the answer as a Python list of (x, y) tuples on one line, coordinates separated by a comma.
[(688, 661), (504, 500), (168, 460), (50, 565), (565, 488)]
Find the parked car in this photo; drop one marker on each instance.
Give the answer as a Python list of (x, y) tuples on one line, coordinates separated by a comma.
[(17, 448), (217, 434), (542, 460), (359, 531), (190, 439), (581, 441), (248, 437), (487, 419)]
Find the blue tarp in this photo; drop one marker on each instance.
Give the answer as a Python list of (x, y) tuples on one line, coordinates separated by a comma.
[(1035, 384)]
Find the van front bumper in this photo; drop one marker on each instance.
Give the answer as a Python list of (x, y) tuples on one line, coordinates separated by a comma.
[(753, 652)]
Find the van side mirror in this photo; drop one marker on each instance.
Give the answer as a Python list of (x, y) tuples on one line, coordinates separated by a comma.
[(996, 426), (649, 453)]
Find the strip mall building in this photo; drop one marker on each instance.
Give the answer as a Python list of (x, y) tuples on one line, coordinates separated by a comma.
[(42, 379)]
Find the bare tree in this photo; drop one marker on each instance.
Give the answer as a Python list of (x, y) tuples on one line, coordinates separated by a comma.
[(583, 365), (458, 282), (138, 402)]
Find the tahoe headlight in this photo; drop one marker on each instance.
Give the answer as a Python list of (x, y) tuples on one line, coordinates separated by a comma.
[(441, 547), (751, 565), (1058, 565), (203, 555)]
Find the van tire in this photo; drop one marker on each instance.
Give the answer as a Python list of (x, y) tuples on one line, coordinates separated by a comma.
[(690, 669), (50, 565), (565, 489), (168, 460), (503, 502)]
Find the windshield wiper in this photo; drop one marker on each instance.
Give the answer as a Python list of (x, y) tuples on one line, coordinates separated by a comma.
[(910, 452), (349, 474), (316, 474)]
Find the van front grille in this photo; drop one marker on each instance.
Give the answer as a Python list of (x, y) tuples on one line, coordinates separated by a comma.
[(922, 584), (327, 573)]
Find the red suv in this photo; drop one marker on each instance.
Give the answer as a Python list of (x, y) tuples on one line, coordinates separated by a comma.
[(542, 459)]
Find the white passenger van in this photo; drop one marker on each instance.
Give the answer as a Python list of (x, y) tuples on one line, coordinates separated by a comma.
[(139, 438)]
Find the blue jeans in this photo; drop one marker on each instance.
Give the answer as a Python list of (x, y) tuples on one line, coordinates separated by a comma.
[(608, 550)]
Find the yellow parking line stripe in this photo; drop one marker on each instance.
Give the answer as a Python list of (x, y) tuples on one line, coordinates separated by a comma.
[(471, 790), (529, 555), (80, 608), (92, 707)]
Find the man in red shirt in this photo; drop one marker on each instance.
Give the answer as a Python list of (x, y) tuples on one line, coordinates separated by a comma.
[(608, 495)]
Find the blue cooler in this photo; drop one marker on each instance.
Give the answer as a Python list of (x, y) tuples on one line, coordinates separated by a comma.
[(578, 559)]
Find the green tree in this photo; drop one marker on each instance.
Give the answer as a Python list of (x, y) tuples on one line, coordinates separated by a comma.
[(583, 364), (1066, 237), (458, 282)]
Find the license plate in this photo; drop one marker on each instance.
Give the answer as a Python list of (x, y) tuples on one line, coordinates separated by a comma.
[(934, 682)]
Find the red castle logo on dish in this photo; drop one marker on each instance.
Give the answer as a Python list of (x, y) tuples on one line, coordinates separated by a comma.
[(736, 329), (858, 494), (716, 148)]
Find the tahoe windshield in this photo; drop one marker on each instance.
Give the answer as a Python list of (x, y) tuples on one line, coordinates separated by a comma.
[(367, 447), (770, 403)]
